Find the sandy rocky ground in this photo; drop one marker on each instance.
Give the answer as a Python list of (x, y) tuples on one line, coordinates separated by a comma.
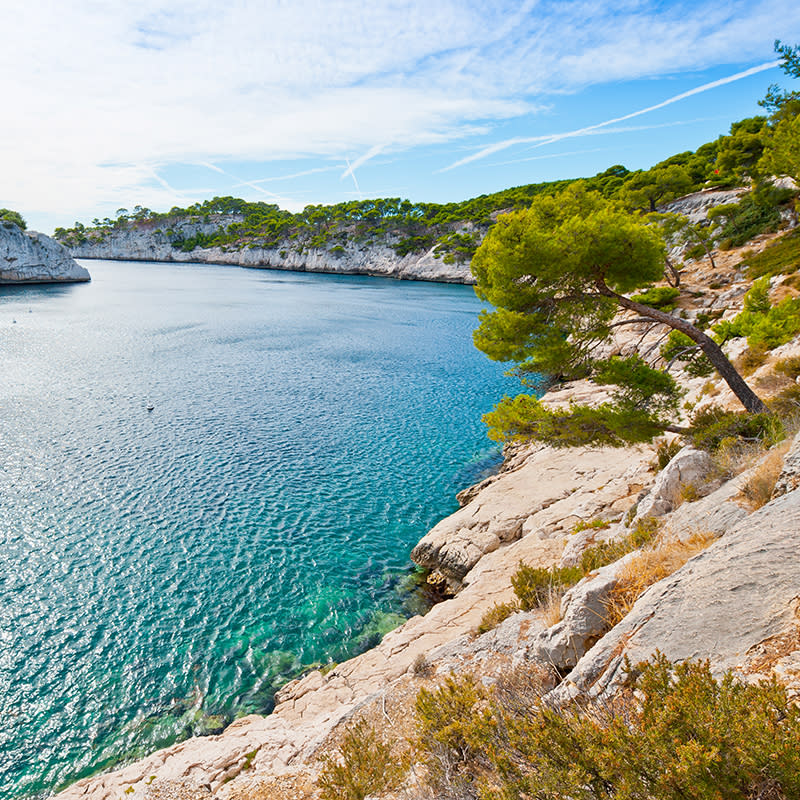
[(737, 602)]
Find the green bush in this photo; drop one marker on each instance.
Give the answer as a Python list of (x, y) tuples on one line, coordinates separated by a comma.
[(495, 615), (757, 212), (782, 256), (604, 553), (662, 297), (682, 736), (363, 763), (665, 452), (535, 585), (7, 215), (713, 425), (765, 326)]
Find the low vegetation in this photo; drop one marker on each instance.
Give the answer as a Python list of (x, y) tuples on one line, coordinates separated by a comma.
[(649, 566), (675, 733), (535, 586)]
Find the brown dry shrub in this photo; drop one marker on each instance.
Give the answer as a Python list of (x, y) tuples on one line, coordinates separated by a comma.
[(757, 490), (287, 787), (649, 567)]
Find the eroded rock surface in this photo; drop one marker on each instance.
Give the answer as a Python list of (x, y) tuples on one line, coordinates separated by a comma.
[(546, 495), (721, 604), (30, 257)]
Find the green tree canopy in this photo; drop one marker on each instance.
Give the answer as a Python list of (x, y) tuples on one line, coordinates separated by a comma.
[(657, 185), (738, 154), (13, 216), (557, 273)]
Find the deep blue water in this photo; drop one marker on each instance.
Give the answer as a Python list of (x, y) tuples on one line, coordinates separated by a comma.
[(158, 566)]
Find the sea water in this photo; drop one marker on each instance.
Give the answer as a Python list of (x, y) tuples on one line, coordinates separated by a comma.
[(163, 571)]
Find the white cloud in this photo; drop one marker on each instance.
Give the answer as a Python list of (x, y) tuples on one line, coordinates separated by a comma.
[(100, 95)]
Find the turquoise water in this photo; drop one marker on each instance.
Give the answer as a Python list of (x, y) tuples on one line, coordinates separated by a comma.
[(159, 566)]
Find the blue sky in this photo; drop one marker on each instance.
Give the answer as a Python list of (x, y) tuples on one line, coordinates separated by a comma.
[(110, 105)]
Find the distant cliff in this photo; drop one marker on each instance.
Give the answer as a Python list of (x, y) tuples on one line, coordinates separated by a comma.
[(348, 255), (30, 257)]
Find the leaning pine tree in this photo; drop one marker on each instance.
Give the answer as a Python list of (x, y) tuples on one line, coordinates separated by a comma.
[(557, 273)]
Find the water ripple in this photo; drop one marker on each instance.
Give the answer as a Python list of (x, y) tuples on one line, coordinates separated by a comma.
[(157, 566)]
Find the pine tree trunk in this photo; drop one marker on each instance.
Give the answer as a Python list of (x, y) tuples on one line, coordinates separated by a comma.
[(748, 398)]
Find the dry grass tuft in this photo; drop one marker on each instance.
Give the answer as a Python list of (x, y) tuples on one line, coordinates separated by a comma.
[(649, 567), (551, 610), (734, 456), (286, 787), (757, 491)]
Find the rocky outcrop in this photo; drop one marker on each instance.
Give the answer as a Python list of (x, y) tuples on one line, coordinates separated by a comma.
[(695, 206), (353, 257), (584, 619), (548, 493), (690, 469), (30, 257), (722, 605)]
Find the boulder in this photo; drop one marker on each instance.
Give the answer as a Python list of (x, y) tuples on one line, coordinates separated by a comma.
[(584, 619), (30, 257), (689, 467)]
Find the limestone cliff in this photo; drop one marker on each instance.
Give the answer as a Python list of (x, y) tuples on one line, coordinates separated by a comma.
[(350, 256), (30, 257)]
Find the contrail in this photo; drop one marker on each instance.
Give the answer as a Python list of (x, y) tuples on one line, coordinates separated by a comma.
[(540, 141), (350, 170)]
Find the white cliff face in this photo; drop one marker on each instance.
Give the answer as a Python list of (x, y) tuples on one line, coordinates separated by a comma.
[(376, 258), (30, 257)]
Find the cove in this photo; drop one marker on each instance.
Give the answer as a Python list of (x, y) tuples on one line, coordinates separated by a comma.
[(162, 572)]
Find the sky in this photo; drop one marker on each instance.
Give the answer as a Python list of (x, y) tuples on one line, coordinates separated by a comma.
[(109, 105)]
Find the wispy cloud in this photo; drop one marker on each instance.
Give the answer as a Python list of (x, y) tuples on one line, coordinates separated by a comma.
[(105, 84), (590, 129)]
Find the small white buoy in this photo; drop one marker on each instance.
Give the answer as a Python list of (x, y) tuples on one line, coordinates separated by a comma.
[(150, 406)]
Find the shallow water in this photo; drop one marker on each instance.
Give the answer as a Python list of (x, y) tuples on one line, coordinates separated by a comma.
[(159, 566)]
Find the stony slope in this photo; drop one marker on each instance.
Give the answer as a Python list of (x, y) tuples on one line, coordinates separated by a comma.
[(30, 257)]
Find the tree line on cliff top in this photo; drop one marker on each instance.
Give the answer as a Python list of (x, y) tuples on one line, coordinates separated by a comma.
[(559, 266)]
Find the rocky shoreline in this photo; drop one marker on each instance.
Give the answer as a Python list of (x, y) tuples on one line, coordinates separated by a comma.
[(377, 259)]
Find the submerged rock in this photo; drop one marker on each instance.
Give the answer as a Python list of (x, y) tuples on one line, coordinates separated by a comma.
[(30, 257)]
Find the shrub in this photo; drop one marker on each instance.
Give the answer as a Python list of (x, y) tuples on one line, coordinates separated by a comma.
[(605, 553), (782, 256), (451, 727), (7, 215), (757, 490), (765, 326), (713, 425), (789, 367), (665, 452), (647, 568), (662, 297), (757, 212), (363, 763), (682, 736), (495, 615), (534, 586)]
